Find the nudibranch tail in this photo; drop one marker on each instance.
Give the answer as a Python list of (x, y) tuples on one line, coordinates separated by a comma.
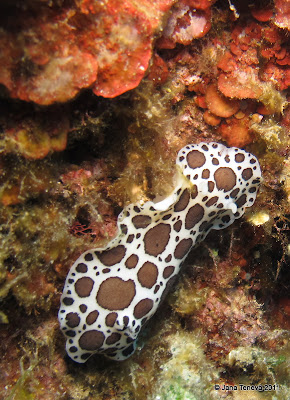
[(110, 293)]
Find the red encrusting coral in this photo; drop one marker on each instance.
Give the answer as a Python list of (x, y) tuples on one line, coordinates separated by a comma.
[(282, 17), (218, 104), (243, 76), (158, 70), (236, 132), (58, 51), (231, 122), (211, 119), (189, 20), (262, 13), (243, 85), (200, 4)]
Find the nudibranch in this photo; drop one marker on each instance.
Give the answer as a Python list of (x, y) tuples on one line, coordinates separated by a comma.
[(110, 293)]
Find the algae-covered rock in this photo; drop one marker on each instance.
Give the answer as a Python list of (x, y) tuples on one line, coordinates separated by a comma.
[(67, 170)]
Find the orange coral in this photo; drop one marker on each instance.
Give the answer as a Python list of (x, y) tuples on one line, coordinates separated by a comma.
[(201, 4), (218, 104), (187, 22), (158, 71), (282, 17), (200, 101), (243, 75), (262, 14), (211, 119), (236, 132), (280, 77)]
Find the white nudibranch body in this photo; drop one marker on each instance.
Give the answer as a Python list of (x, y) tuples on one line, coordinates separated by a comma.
[(110, 293)]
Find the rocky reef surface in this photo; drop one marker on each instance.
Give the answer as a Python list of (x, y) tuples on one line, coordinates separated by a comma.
[(97, 98)]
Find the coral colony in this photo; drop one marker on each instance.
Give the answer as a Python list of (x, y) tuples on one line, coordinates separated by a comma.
[(111, 293)]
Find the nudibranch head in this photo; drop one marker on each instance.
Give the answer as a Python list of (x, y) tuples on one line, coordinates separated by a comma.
[(110, 293)]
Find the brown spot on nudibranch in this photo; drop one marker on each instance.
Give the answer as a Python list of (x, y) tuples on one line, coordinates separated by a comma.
[(234, 192), (111, 319), (226, 219), (247, 174), (70, 333), (116, 294), (210, 186), (177, 226), (91, 340), (241, 200), (142, 308), (68, 301), (130, 239), (147, 275), (73, 349), (72, 319), (113, 338), (168, 271), (89, 257), (112, 256), (205, 174), (225, 178), (195, 159), (182, 248), (92, 317), (156, 239), (82, 268), (84, 286), (128, 350), (239, 157), (124, 229), (183, 201), (83, 308), (141, 221), (252, 189), (211, 201), (193, 216), (132, 261)]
